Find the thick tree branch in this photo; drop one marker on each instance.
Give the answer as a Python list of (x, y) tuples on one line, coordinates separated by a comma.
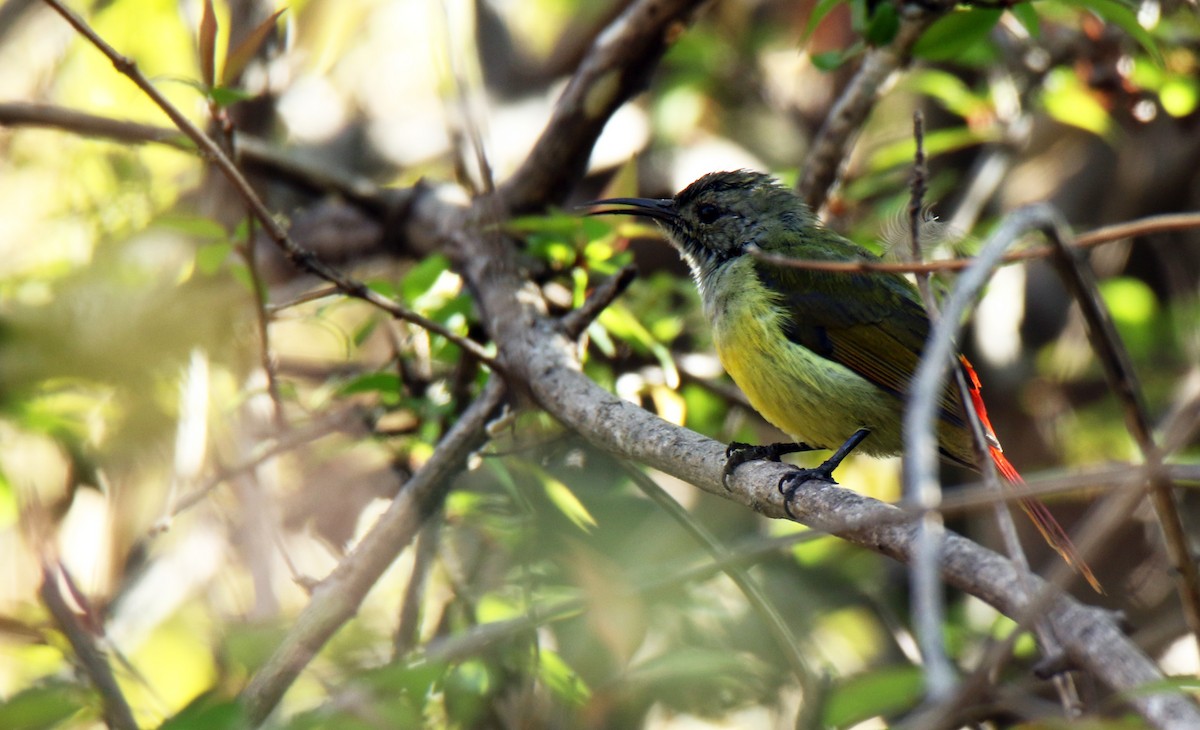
[(336, 599), (288, 165), (538, 355), (616, 68), (541, 358)]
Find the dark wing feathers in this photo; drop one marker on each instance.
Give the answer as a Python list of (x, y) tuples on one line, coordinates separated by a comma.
[(873, 324)]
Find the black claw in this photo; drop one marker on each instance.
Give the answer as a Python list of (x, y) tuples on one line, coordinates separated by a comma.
[(738, 453), (790, 483), (823, 473)]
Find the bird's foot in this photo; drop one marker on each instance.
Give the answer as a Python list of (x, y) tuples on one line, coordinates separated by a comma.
[(739, 453), (790, 483)]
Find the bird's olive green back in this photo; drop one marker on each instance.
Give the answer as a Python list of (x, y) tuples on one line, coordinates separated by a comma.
[(871, 323)]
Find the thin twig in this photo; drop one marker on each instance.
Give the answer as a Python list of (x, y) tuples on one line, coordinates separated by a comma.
[(409, 625), (1118, 369), (944, 714), (469, 121), (262, 321), (265, 451), (826, 158), (928, 602), (291, 165), (274, 229), (578, 320), (920, 475), (968, 498), (1108, 234), (117, 713)]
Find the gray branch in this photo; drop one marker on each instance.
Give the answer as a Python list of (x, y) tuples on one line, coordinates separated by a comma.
[(541, 360)]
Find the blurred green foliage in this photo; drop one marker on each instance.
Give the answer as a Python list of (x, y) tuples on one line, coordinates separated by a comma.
[(555, 592)]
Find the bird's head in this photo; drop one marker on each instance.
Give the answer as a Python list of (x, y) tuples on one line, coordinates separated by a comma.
[(716, 218)]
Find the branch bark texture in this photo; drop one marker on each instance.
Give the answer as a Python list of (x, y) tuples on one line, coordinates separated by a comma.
[(541, 359), (337, 598)]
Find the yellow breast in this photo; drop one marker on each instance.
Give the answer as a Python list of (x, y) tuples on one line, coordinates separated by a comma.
[(811, 398)]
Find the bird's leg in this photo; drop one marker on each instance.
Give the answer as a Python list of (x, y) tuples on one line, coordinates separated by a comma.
[(789, 483), (739, 453)]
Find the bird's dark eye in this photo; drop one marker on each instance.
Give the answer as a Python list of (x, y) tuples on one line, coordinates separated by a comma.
[(707, 213)]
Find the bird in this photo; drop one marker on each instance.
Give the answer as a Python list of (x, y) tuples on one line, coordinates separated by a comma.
[(825, 356)]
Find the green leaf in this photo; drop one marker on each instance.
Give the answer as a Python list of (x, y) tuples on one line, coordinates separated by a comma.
[(383, 287), (558, 223), (422, 277), (42, 706), (884, 692), (224, 96), (561, 496), (1179, 96), (1070, 102), (831, 60), (388, 383), (207, 713), (1136, 314), (211, 256), (561, 679), (884, 25), (949, 90), (196, 226), (363, 332), (1028, 17), (599, 337), (953, 34), (1130, 300), (621, 322), (552, 249), (936, 143), (241, 274), (594, 228)]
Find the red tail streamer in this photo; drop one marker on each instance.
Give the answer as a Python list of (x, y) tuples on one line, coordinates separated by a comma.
[(1052, 532)]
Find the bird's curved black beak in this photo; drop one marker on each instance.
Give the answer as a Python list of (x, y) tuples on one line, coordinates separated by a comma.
[(662, 209)]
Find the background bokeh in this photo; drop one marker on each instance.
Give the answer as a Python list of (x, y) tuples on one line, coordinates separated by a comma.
[(191, 432)]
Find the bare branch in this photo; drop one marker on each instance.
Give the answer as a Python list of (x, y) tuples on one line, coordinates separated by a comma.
[(1108, 234), (577, 320), (286, 164), (541, 357), (336, 599), (1118, 369), (274, 229), (823, 166), (116, 709), (616, 68), (927, 601)]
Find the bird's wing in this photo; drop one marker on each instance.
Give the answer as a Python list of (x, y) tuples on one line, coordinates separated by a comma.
[(872, 323)]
